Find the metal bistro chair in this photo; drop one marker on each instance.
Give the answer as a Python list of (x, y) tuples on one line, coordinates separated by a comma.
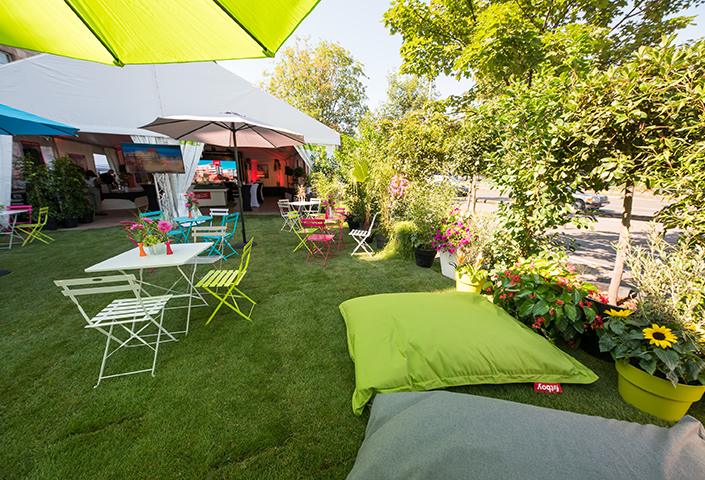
[(298, 229), (231, 280), (316, 242), (226, 220), (313, 210), (124, 321), (218, 212), (361, 236), (284, 209), (34, 230)]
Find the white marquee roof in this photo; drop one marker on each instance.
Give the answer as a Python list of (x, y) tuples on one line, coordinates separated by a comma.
[(116, 100)]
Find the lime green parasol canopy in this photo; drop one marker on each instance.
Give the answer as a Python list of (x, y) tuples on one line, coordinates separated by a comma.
[(123, 32)]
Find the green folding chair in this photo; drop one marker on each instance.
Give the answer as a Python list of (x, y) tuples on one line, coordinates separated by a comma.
[(34, 230), (299, 230), (230, 279)]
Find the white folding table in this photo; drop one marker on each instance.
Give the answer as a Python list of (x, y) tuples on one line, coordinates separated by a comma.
[(11, 223), (183, 254)]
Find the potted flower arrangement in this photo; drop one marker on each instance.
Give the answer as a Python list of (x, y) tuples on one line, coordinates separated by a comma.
[(329, 205), (544, 293), (192, 204), (157, 240), (153, 234), (301, 193), (470, 276), (450, 240), (659, 349)]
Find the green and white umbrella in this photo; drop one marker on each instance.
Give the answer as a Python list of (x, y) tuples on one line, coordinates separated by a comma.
[(124, 32)]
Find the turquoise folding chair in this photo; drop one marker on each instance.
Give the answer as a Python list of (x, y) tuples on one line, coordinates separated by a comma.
[(225, 221)]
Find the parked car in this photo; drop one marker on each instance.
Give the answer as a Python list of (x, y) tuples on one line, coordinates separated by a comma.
[(584, 201), (460, 187)]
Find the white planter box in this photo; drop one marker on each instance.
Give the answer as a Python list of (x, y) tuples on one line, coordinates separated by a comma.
[(446, 268)]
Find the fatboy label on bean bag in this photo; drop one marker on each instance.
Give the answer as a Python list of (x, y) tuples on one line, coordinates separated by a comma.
[(548, 387)]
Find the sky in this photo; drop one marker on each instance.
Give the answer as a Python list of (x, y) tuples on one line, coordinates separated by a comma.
[(357, 26)]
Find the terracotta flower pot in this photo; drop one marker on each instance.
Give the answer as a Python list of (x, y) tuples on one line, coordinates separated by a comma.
[(654, 395)]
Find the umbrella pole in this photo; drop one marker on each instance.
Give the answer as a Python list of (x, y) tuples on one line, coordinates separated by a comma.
[(239, 192)]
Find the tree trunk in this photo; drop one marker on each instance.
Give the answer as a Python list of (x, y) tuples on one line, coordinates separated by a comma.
[(623, 241), (472, 198)]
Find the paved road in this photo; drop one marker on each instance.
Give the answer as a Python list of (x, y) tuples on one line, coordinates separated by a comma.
[(595, 247)]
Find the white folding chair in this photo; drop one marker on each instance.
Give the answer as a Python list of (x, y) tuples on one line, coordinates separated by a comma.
[(313, 209), (218, 212), (216, 235), (125, 321), (284, 209), (361, 236)]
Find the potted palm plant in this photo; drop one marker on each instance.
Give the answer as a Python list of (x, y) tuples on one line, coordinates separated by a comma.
[(659, 349)]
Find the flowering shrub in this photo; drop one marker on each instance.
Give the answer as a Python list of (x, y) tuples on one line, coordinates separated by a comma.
[(398, 186), (545, 294), (455, 234)]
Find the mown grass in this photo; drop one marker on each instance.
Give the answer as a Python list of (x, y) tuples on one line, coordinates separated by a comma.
[(235, 399)]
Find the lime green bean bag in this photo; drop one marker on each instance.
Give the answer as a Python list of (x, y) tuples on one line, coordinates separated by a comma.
[(405, 342)]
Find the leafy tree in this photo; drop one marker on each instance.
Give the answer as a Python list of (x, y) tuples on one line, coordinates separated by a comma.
[(323, 81), (530, 165), (406, 93), (644, 121), (504, 41)]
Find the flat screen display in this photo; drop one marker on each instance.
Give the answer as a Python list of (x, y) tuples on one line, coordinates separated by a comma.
[(148, 158)]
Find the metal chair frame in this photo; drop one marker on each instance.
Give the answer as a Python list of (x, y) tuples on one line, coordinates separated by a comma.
[(229, 279), (361, 236), (132, 315), (34, 230), (316, 241)]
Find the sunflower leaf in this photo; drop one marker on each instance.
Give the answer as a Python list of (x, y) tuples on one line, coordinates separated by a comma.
[(607, 343), (668, 357), (649, 366)]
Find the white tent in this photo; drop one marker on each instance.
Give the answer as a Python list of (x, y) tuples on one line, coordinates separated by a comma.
[(102, 99)]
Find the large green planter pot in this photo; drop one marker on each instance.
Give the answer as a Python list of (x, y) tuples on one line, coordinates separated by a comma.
[(654, 395), (470, 283)]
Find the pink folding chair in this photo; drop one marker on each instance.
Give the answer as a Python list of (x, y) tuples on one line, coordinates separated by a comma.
[(21, 207), (318, 243)]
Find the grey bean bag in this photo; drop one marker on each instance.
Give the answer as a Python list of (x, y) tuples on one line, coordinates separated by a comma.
[(444, 435)]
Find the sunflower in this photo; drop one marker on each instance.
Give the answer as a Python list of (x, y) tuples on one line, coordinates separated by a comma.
[(618, 313), (660, 336)]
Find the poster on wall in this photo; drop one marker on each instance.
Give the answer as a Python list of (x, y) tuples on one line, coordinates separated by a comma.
[(262, 171), (79, 160)]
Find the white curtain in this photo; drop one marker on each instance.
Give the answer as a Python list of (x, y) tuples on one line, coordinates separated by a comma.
[(305, 154), (113, 158), (5, 171), (179, 182)]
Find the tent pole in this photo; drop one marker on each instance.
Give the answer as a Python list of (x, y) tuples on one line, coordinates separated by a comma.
[(239, 192)]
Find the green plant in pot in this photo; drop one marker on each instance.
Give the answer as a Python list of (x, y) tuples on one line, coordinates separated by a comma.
[(427, 207), (469, 275), (67, 178), (40, 188), (659, 349)]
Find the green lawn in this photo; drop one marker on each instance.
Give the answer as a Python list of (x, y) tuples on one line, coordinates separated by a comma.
[(234, 399)]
